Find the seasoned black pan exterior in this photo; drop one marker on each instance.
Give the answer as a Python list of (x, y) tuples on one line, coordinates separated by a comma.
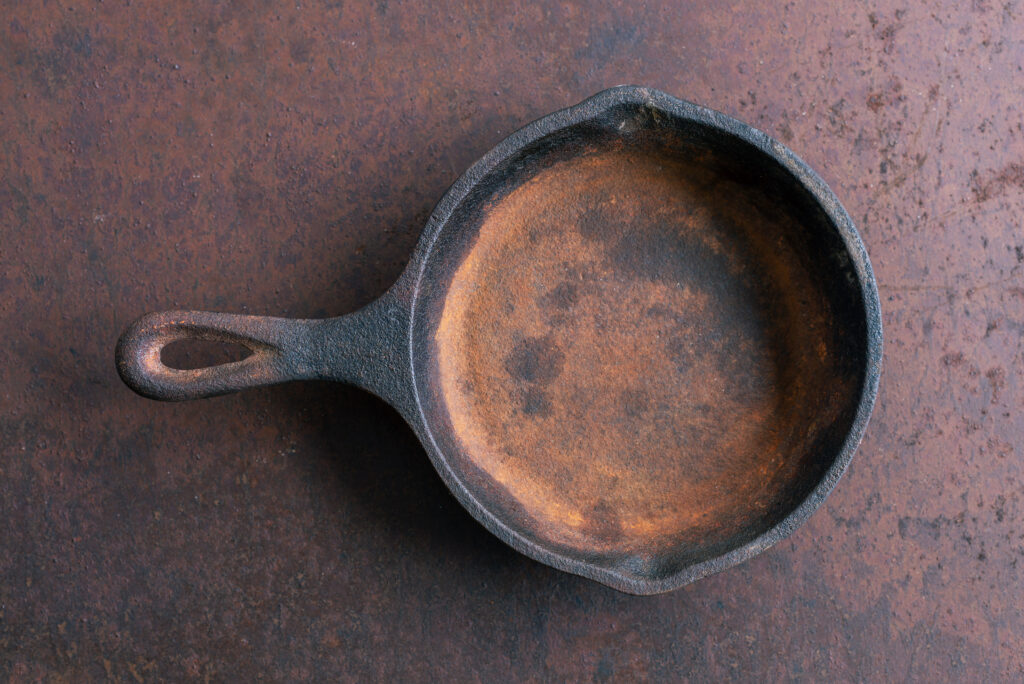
[(639, 340)]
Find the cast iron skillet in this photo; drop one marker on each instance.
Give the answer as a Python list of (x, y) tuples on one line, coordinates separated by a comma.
[(639, 340)]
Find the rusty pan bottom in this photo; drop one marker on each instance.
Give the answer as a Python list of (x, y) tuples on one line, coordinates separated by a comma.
[(634, 358)]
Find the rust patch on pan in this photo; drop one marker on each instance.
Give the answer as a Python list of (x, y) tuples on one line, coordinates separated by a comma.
[(633, 352)]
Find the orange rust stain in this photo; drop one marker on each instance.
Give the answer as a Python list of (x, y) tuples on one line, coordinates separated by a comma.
[(623, 350)]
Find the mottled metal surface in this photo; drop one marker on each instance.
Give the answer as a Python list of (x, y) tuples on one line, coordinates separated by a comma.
[(626, 362), (281, 159), (709, 270)]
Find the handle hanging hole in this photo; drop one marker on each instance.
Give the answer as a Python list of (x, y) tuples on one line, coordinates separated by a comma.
[(189, 354)]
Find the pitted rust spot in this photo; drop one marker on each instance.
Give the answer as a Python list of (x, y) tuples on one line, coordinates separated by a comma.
[(536, 403), (535, 360), (635, 402), (641, 343), (563, 296)]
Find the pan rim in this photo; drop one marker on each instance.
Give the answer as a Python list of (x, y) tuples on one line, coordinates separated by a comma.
[(823, 196)]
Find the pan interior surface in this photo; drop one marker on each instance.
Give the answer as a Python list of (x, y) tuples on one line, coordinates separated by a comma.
[(643, 351)]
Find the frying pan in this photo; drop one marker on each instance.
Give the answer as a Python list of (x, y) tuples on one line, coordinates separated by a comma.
[(639, 341)]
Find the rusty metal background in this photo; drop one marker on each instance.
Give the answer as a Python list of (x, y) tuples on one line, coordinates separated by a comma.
[(282, 158)]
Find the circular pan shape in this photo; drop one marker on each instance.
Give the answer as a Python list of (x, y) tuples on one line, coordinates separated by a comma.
[(645, 340)]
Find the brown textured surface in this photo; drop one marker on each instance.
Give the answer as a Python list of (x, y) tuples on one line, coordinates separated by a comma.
[(280, 159), (669, 357)]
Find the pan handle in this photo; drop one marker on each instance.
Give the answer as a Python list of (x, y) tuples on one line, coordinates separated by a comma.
[(278, 349), (368, 348)]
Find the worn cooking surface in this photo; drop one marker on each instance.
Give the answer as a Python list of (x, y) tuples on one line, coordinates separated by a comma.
[(633, 352)]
